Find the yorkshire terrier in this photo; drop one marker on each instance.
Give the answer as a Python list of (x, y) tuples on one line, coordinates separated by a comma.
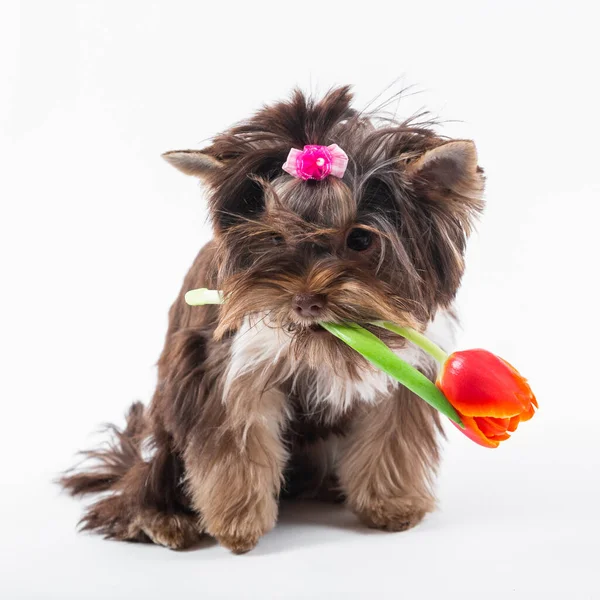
[(255, 401)]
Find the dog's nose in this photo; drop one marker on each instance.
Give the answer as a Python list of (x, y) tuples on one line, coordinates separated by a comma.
[(309, 305)]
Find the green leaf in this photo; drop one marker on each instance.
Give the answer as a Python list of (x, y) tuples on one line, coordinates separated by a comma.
[(378, 354)]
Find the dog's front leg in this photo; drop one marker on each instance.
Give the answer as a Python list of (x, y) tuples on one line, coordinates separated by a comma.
[(388, 461), (234, 470)]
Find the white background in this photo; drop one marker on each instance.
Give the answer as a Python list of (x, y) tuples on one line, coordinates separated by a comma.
[(97, 232)]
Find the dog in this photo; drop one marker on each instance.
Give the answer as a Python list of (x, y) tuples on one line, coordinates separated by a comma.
[(255, 401)]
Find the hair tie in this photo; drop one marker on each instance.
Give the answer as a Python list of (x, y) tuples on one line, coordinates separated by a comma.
[(316, 162)]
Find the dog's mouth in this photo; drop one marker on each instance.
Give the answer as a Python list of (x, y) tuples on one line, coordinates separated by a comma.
[(310, 328)]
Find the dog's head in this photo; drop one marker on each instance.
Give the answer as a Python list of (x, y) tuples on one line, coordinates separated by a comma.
[(385, 241)]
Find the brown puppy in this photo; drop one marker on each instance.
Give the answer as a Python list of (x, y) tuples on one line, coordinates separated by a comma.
[(254, 399)]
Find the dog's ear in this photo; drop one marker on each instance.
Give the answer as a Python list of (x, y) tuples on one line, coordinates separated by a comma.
[(449, 169), (450, 185), (194, 162)]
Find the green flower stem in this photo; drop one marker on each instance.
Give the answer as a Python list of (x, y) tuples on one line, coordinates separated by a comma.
[(378, 354), (418, 339), (203, 296), (374, 350)]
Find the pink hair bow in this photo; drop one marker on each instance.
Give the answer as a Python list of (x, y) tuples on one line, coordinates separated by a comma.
[(316, 162)]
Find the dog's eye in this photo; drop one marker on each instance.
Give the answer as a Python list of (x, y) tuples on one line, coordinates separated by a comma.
[(276, 239), (359, 239)]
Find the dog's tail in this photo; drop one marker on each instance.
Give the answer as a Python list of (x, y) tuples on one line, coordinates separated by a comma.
[(107, 470), (134, 473), (111, 463)]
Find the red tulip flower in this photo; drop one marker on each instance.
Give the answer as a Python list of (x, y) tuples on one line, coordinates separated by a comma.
[(489, 394)]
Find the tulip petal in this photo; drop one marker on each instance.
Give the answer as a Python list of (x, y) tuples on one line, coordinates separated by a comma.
[(480, 384), (527, 393), (514, 423), (490, 426), (473, 432), (527, 414)]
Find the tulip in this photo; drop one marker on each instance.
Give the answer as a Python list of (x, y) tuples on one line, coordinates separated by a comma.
[(490, 395)]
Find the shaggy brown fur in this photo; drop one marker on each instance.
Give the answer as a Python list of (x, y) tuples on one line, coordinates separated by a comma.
[(253, 398)]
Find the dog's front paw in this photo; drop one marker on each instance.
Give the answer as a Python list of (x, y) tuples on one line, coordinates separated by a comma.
[(395, 514), (241, 532), (174, 531), (239, 544)]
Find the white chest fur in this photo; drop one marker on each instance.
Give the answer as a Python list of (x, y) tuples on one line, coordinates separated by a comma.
[(257, 347)]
